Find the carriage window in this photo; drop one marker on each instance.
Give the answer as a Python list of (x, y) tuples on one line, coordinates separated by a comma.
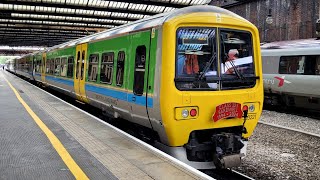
[(291, 65), (63, 67), (140, 61), (93, 67), (70, 67), (106, 68), (51, 67), (57, 67), (48, 66), (120, 68), (38, 66), (318, 65)]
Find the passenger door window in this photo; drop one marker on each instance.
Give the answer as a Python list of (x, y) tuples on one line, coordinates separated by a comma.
[(83, 55), (139, 72), (78, 65)]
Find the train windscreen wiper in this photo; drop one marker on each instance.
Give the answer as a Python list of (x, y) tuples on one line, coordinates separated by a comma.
[(206, 68), (237, 72)]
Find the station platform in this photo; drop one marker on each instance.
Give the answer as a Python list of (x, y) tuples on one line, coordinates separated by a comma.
[(42, 137)]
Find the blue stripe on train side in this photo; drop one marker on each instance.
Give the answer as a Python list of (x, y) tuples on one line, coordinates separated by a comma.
[(59, 80), (140, 100)]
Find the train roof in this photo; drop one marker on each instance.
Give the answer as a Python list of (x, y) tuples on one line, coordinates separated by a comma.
[(149, 22), (299, 43), (292, 47)]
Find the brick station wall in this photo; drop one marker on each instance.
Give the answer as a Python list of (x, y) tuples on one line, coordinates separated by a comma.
[(292, 19)]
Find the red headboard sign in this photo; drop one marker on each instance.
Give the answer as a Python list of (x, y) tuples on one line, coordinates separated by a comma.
[(226, 110)]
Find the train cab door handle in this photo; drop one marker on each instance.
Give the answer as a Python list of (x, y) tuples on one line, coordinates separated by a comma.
[(134, 98)]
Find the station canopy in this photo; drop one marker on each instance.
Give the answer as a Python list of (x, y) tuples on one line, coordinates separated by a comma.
[(50, 22)]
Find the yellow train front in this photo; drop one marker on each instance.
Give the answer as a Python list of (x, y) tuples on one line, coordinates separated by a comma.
[(211, 92)]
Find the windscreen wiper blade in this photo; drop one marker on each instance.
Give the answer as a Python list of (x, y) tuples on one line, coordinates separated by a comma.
[(206, 68), (239, 74)]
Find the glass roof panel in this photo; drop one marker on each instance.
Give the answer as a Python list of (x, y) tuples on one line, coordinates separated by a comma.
[(137, 7)]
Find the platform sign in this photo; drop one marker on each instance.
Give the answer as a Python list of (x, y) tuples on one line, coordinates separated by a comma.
[(226, 110)]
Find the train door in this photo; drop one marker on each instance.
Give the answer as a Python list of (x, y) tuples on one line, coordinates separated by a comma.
[(138, 99), (80, 72)]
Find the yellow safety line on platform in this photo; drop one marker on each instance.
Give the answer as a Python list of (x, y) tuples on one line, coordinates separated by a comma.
[(65, 156)]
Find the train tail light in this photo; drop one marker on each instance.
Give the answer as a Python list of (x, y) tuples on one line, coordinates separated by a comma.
[(193, 112), (245, 111)]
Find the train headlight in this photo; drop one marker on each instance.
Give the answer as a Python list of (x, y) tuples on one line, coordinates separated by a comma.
[(185, 113), (251, 108)]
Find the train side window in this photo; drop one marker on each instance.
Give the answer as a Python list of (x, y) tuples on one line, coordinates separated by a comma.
[(51, 67), (120, 68), (106, 68), (140, 61), (39, 66), (63, 67), (93, 67), (291, 65), (318, 65), (48, 66), (70, 67), (57, 65)]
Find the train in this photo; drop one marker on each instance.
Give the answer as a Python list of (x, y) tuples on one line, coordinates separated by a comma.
[(169, 74), (292, 73)]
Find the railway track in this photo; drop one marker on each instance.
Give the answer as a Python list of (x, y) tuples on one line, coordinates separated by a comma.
[(291, 129), (226, 174), (293, 111)]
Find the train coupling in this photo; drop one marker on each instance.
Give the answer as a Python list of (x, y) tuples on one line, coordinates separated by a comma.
[(228, 148)]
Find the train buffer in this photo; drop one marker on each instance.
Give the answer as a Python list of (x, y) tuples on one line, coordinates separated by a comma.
[(42, 137)]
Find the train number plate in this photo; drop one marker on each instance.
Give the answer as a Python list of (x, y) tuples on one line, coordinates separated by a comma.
[(251, 116), (226, 110)]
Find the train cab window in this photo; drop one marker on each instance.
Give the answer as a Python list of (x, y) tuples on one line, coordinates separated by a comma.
[(139, 72), (93, 67), (196, 58), (63, 67), (106, 68), (70, 67), (57, 65), (120, 68)]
